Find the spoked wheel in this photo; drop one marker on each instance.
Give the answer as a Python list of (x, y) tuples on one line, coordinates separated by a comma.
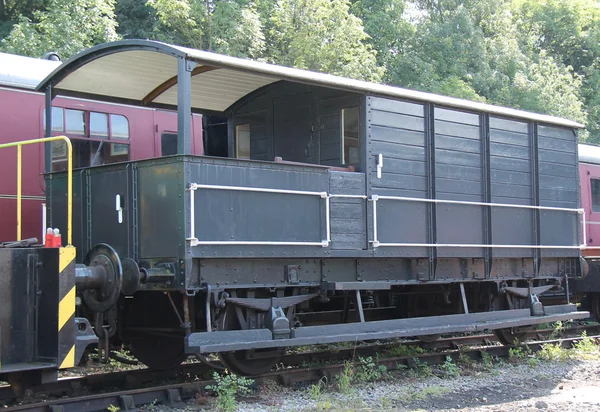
[(512, 336), (159, 352), (239, 362)]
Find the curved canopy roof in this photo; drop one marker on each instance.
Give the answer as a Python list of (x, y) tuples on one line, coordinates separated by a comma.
[(144, 72), (24, 72)]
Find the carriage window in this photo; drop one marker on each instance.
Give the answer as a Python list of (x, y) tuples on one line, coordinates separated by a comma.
[(119, 127), (58, 121), (168, 144), (98, 124), (350, 136), (595, 183), (75, 120), (242, 141)]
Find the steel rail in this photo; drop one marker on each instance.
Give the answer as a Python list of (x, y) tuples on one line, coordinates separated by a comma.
[(173, 394)]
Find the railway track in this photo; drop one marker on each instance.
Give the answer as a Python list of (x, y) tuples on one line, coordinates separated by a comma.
[(96, 392)]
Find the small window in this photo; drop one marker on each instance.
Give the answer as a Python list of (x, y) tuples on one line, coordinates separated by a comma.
[(595, 183), (119, 127), (58, 121), (75, 120), (59, 150), (98, 124), (350, 136), (168, 144), (242, 141)]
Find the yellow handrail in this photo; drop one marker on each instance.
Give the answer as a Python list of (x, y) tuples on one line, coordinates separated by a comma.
[(69, 180)]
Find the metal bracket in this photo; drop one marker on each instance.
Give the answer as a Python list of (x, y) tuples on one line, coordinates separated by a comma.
[(537, 309)]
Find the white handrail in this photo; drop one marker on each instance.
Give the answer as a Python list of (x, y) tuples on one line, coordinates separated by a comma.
[(376, 243), (195, 242)]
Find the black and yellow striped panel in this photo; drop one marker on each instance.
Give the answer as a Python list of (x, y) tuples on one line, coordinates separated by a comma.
[(66, 308)]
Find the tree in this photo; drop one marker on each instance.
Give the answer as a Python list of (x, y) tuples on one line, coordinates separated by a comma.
[(67, 27), (136, 19), (321, 35)]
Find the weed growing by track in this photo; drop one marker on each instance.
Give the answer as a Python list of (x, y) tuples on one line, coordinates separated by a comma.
[(227, 387)]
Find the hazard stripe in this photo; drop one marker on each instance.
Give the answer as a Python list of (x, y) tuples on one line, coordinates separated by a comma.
[(66, 308), (69, 360), (67, 255)]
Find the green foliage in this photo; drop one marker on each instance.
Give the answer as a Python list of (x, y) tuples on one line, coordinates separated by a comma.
[(67, 28), (321, 35), (369, 371), (586, 348), (449, 368), (227, 387)]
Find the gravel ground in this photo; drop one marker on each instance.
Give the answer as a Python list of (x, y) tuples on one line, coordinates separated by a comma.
[(547, 386)]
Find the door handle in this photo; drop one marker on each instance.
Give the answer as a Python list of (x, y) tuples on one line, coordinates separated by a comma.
[(119, 208), (379, 165)]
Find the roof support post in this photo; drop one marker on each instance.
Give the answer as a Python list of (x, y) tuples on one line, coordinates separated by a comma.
[(48, 146), (184, 106)]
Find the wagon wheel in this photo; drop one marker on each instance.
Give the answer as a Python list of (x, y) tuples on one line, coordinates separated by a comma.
[(238, 362), (159, 352), (512, 336), (152, 330)]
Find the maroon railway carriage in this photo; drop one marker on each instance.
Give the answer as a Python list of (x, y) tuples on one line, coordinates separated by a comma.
[(101, 133)]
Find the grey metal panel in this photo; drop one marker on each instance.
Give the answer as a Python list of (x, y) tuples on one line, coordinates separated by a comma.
[(397, 106), (511, 182), (396, 135), (401, 222), (397, 120), (553, 169), (506, 163), (556, 132), (557, 144), (457, 129), (511, 190), (511, 177), (455, 186), (457, 144), (104, 186), (348, 216), (400, 181), (160, 215), (397, 151), (406, 167), (456, 116), (460, 224), (508, 125), (330, 152), (505, 150), (552, 156), (224, 215), (512, 226), (293, 127), (457, 158), (509, 137), (468, 173)]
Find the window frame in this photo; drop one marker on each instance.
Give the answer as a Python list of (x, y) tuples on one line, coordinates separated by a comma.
[(237, 140), (343, 160), (595, 208)]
